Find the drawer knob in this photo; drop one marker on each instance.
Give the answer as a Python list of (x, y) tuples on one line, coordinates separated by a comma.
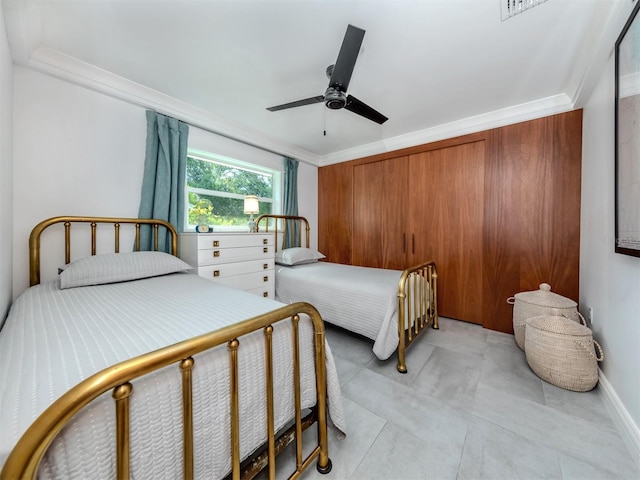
[(265, 278), (265, 249), (265, 241), (265, 294), (216, 253), (216, 273), (216, 243), (265, 266)]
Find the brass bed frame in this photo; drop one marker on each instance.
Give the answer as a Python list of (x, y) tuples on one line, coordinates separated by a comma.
[(24, 460), (417, 288)]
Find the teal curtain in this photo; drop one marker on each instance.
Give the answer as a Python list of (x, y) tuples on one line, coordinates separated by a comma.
[(162, 194), (290, 202)]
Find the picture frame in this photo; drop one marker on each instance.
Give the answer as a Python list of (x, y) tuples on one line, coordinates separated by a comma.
[(627, 137)]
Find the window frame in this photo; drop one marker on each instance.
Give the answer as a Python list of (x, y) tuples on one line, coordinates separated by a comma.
[(276, 202)]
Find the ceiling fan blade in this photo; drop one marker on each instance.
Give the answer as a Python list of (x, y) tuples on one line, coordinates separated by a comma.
[(299, 103), (356, 106), (346, 58)]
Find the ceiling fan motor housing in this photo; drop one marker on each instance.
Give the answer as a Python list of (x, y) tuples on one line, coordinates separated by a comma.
[(334, 99)]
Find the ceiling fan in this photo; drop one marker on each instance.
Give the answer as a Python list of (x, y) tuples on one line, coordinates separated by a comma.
[(339, 75)]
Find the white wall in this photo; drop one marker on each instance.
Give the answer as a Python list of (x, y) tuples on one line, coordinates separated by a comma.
[(6, 171), (609, 282), (79, 152)]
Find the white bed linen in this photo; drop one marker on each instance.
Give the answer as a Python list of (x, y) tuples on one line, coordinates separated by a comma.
[(360, 299), (53, 339)]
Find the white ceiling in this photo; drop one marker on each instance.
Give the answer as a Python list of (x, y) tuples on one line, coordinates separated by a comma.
[(434, 67)]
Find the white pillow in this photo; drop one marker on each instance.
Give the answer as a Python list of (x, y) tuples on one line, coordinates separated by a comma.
[(119, 267), (297, 256)]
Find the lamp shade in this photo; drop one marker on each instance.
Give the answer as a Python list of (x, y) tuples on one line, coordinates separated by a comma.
[(251, 204)]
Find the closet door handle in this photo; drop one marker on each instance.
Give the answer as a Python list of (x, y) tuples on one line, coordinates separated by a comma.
[(404, 243), (413, 243)]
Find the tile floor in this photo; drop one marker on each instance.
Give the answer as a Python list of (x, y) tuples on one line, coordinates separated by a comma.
[(469, 408)]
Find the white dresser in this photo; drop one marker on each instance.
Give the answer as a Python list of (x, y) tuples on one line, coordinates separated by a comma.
[(239, 260)]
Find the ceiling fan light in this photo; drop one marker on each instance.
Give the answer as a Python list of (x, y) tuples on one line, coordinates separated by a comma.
[(334, 99)]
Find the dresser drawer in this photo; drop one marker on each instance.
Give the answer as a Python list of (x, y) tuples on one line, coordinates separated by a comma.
[(267, 291), (228, 255), (238, 260), (233, 241), (248, 281), (224, 270)]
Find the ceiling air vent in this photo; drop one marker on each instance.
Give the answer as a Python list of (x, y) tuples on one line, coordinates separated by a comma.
[(514, 7)]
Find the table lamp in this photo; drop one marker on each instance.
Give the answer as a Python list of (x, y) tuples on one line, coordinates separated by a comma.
[(250, 208)]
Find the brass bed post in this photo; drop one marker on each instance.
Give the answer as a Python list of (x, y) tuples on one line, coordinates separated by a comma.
[(234, 408), (186, 367), (155, 237), (434, 279), (324, 462), (137, 242), (268, 339), (295, 320), (121, 395), (402, 366), (93, 238), (67, 242), (116, 240)]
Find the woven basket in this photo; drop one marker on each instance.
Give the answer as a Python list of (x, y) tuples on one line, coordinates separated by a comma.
[(562, 352), (536, 303)]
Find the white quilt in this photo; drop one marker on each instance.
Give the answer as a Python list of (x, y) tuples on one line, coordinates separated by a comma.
[(53, 339), (360, 299)]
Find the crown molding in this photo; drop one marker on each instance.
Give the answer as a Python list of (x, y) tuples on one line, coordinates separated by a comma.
[(498, 118), (70, 69)]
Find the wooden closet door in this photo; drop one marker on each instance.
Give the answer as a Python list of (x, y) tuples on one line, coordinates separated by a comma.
[(335, 211), (379, 214), (446, 215)]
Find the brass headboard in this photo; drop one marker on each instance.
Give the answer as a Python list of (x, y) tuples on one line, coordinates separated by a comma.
[(34, 238), (282, 223)]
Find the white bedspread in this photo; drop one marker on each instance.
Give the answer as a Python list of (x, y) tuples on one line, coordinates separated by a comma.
[(55, 338), (360, 299)]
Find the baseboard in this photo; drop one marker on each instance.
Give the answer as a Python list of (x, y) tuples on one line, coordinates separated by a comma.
[(623, 421)]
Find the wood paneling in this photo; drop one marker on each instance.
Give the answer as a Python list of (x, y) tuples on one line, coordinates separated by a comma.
[(379, 214), (499, 225), (501, 242), (335, 212), (446, 224), (532, 213)]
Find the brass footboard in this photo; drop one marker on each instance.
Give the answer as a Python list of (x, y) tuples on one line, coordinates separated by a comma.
[(417, 306), (417, 288), (25, 458)]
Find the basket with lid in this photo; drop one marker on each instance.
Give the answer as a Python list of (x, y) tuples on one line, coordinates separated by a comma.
[(539, 302), (562, 352)]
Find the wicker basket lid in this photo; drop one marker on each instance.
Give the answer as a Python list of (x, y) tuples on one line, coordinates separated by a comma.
[(545, 298), (558, 324)]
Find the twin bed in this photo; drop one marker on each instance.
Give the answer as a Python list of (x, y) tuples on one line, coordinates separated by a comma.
[(128, 365), (390, 307)]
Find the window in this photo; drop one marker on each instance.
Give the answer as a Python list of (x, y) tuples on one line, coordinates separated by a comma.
[(216, 187)]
